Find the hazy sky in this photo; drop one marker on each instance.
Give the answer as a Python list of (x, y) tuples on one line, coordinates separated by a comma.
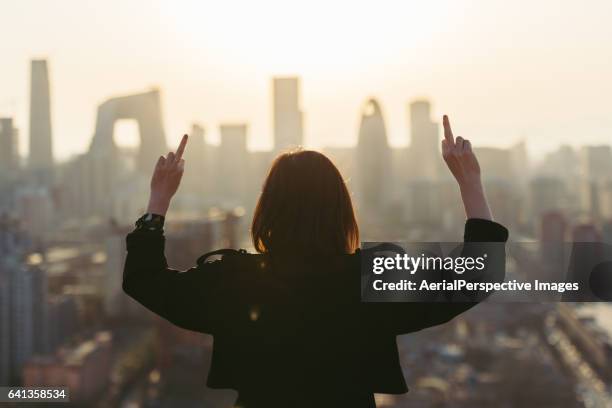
[(504, 70)]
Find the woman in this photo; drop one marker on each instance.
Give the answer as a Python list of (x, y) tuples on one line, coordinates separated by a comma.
[(288, 323)]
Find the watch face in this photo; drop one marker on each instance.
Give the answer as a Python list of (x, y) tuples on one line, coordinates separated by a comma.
[(150, 221)]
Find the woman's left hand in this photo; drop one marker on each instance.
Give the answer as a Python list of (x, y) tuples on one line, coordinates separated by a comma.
[(463, 164)]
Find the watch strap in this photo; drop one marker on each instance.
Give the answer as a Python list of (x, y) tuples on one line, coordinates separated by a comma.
[(151, 222)]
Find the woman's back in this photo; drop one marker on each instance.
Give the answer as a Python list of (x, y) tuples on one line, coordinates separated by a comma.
[(289, 326), (286, 322)]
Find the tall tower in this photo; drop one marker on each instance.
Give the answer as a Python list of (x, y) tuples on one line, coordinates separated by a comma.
[(9, 158), (196, 178), (41, 149), (288, 120), (232, 164), (5, 329), (424, 142), (20, 315), (373, 159)]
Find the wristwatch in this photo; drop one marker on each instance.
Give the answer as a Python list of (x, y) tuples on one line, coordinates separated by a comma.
[(151, 222)]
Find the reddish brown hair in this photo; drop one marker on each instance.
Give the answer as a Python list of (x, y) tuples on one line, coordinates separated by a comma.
[(304, 208)]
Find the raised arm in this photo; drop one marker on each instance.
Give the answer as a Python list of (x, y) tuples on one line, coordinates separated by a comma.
[(462, 163), (481, 235), (179, 297)]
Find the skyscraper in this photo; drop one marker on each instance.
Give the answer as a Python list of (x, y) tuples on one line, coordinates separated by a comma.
[(596, 162), (41, 149), (145, 108), (546, 194), (596, 174), (102, 169), (424, 142), (9, 158), (553, 251), (21, 340), (288, 120), (5, 331), (373, 158), (232, 164), (63, 318), (196, 180)]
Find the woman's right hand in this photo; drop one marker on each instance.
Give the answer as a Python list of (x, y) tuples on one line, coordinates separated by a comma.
[(463, 164), (166, 179)]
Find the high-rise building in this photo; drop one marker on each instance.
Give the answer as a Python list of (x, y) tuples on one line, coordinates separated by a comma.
[(546, 194), (41, 147), (259, 166), (597, 162), (196, 179), (553, 250), (605, 200), (373, 159), (21, 341), (40, 312), (505, 200), (589, 197), (12, 237), (9, 156), (83, 196), (63, 318), (102, 172), (35, 209), (232, 165), (563, 163), (145, 108), (520, 162), (288, 119), (24, 323), (496, 163), (596, 166), (425, 141), (116, 302), (422, 203), (5, 332), (10, 244)]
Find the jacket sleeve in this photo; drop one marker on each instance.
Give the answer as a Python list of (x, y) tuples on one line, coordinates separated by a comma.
[(479, 235), (181, 297)]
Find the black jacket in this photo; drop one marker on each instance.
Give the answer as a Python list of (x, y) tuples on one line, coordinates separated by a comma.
[(288, 326)]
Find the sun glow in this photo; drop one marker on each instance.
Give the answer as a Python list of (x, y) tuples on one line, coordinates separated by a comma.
[(282, 36)]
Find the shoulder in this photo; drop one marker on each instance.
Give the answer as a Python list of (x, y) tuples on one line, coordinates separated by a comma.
[(370, 249), (219, 254), (229, 259)]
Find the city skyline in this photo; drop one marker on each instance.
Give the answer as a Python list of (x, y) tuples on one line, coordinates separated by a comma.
[(551, 81), (104, 88)]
